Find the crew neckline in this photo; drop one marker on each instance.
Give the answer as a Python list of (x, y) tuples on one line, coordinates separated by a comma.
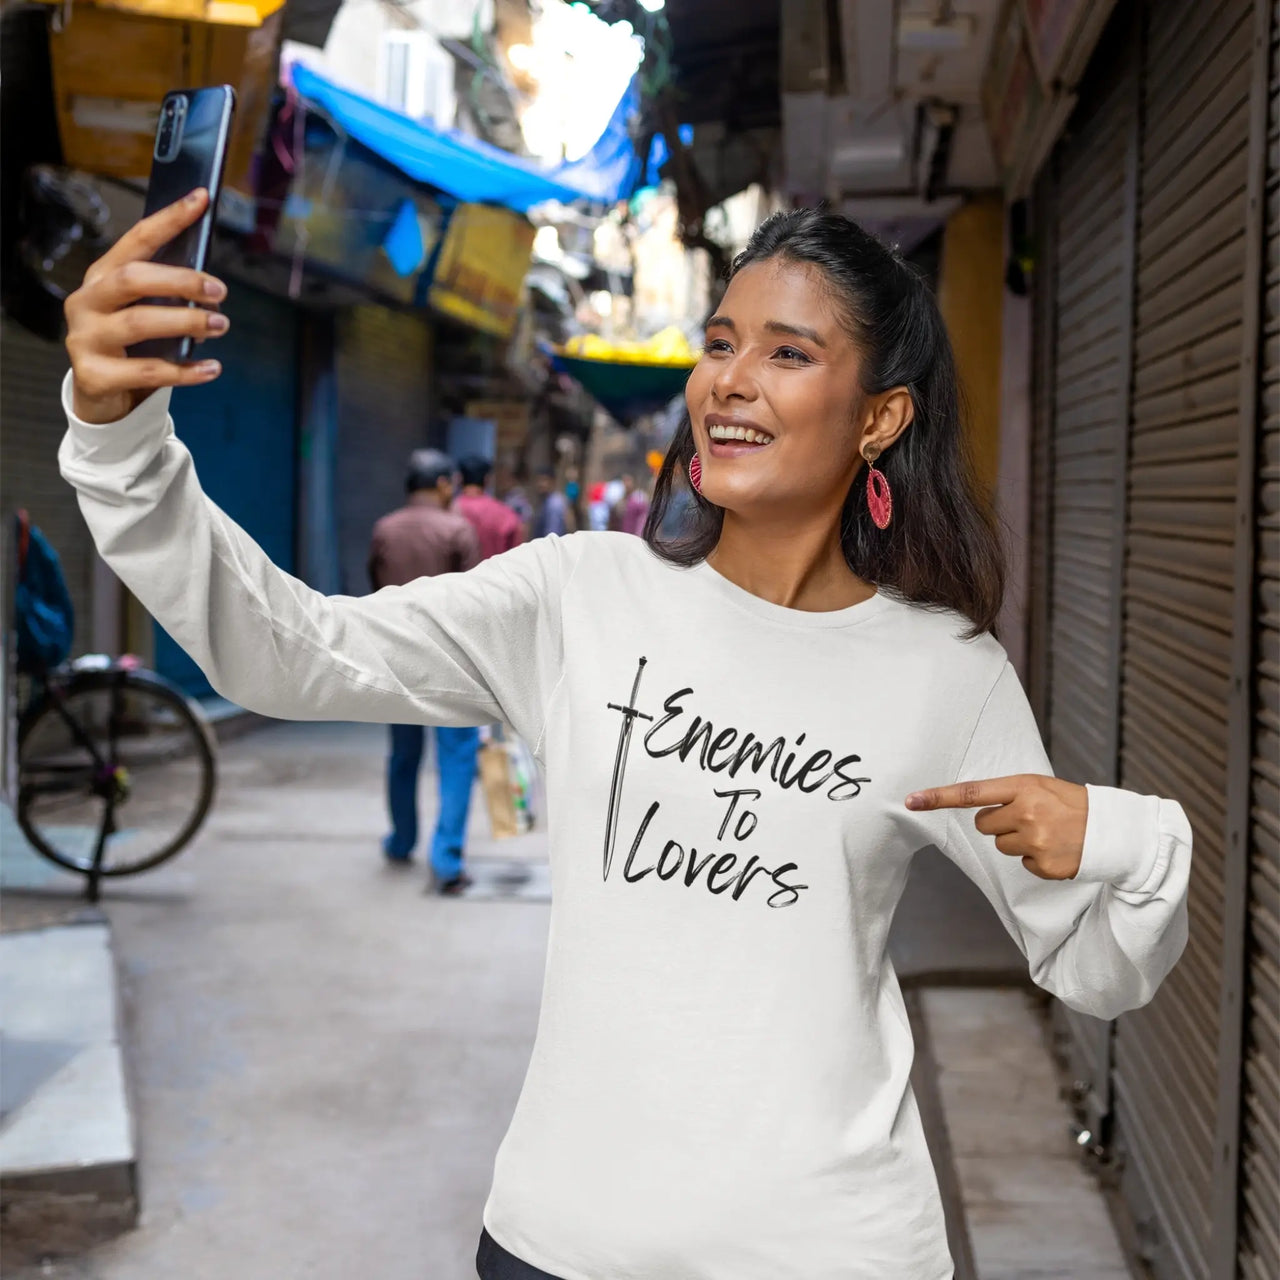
[(849, 616)]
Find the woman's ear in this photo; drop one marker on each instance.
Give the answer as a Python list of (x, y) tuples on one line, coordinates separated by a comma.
[(887, 416)]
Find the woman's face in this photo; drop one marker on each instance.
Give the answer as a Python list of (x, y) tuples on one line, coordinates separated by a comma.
[(780, 369)]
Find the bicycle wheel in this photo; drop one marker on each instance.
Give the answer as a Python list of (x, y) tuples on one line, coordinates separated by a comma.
[(121, 756)]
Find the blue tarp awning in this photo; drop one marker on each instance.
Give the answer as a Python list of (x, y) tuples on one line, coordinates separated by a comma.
[(475, 171)]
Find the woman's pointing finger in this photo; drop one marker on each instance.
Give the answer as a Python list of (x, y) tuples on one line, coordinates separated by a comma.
[(966, 795)]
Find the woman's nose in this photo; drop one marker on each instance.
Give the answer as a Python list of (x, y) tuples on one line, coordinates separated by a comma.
[(734, 378)]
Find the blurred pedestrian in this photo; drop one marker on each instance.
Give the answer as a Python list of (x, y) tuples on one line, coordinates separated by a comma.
[(551, 510), (508, 490), (497, 526), (597, 507), (614, 491), (573, 496), (424, 539), (631, 510)]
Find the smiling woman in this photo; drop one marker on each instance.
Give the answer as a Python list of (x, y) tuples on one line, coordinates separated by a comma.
[(828, 354), (742, 756)]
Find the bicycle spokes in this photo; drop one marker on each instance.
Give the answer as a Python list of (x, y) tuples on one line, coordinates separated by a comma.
[(120, 761)]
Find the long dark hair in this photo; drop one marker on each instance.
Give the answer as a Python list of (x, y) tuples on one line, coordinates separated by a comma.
[(942, 547)]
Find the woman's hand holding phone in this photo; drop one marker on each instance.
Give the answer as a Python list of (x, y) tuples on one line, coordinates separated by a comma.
[(102, 319)]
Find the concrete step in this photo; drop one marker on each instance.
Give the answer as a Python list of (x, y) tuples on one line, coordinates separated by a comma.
[(68, 1153), (1028, 1206)]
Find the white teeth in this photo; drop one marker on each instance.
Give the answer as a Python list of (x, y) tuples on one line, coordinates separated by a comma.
[(747, 435)]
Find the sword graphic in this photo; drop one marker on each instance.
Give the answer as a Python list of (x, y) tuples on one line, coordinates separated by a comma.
[(629, 717)]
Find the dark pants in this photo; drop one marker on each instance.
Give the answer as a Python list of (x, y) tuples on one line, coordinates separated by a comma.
[(456, 761), (493, 1262)]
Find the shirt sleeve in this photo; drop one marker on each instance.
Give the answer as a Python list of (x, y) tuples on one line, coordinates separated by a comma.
[(459, 649), (1104, 941)]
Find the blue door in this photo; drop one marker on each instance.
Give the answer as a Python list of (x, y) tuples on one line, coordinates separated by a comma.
[(241, 431)]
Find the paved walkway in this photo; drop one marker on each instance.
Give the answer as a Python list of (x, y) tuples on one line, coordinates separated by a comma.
[(325, 1058)]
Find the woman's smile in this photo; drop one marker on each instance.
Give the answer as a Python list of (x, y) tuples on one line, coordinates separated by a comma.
[(732, 436)]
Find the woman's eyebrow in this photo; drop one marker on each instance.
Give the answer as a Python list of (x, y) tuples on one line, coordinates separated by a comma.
[(796, 331), (774, 326)]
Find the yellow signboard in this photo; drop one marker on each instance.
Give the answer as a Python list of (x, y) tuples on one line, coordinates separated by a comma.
[(113, 65), (235, 13), (483, 261)]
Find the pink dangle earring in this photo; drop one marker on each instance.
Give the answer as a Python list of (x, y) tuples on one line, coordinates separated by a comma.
[(879, 496), (695, 473)]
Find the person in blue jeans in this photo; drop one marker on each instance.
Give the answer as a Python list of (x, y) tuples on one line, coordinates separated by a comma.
[(456, 765), (424, 538)]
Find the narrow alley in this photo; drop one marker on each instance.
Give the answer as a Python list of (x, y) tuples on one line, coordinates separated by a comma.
[(324, 1058)]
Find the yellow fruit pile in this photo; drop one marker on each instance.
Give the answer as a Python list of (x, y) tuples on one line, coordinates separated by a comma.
[(669, 347)]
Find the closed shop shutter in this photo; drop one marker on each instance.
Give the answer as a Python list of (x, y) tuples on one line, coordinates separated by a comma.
[(1091, 288), (31, 428), (1179, 586), (384, 407), (242, 432), (1259, 1249)]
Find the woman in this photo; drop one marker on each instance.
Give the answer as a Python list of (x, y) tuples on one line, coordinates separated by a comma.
[(747, 734)]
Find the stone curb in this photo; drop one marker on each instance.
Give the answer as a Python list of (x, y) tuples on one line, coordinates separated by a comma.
[(68, 1138)]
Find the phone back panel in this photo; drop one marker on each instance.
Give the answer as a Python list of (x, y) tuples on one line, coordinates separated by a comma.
[(196, 160)]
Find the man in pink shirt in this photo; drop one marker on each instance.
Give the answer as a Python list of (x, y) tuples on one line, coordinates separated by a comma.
[(496, 525)]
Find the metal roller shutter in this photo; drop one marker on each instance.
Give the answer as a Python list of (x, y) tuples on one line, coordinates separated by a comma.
[(1259, 1246), (384, 399), (242, 433), (1041, 479), (1092, 291), (31, 428), (1179, 587)]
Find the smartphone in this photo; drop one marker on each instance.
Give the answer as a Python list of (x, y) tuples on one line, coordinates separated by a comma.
[(190, 151)]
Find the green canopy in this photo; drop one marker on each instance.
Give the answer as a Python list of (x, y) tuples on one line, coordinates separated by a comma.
[(627, 390)]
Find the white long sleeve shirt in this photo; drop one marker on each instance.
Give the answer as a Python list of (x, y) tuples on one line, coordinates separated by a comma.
[(719, 1085)]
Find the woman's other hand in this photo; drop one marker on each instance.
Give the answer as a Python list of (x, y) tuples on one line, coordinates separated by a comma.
[(102, 319), (1035, 817)]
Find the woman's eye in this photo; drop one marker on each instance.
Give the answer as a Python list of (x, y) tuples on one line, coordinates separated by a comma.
[(792, 353), (715, 345)]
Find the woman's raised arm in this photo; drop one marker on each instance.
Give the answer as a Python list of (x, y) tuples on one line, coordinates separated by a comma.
[(457, 649)]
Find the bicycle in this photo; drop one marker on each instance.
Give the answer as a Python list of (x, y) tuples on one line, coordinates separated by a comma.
[(116, 766)]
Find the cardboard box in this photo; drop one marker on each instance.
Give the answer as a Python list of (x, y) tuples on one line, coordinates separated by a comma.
[(112, 67)]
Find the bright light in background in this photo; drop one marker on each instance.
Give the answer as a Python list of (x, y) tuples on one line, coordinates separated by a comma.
[(582, 66), (522, 57), (546, 244), (652, 6)]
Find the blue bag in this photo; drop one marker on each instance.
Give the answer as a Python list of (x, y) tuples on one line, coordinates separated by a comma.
[(42, 603)]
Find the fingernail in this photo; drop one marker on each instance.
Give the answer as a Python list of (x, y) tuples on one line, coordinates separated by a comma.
[(196, 196), (209, 368), (214, 288), (915, 801), (217, 323)]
